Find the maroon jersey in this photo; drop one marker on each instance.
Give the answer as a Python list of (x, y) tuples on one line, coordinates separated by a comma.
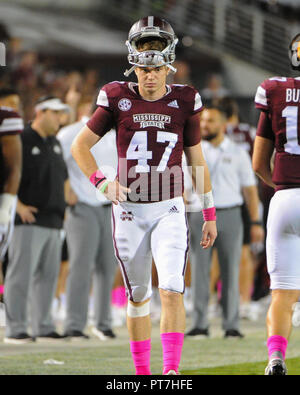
[(243, 135), (10, 124), (279, 97), (150, 136)]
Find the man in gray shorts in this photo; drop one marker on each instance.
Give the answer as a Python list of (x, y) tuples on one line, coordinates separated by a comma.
[(89, 239)]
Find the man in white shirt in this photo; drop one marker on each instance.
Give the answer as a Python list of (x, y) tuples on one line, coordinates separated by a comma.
[(89, 239), (233, 181)]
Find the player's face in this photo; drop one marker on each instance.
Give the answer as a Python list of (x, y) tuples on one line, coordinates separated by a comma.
[(152, 79), (212, 123)]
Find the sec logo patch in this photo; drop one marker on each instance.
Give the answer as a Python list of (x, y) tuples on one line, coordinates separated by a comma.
[(124, 104)]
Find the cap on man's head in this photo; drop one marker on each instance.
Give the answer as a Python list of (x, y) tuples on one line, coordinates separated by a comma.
[(51, 103)]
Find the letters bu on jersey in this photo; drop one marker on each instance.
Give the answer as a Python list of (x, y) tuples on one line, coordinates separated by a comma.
[(150, 137)]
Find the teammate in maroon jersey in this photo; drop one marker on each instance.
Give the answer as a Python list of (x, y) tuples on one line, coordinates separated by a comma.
[(278, 99), (154, 124), (11, 126)]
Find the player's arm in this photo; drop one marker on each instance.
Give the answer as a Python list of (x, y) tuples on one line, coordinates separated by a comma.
[(81, 151), (263, 150), (12, 159), (197, 163)]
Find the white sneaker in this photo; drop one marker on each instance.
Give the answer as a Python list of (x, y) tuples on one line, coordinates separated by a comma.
[(103, 335), (172, 373)]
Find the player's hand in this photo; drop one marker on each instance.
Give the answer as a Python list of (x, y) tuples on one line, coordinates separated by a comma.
[(116, 192), (209, 234), (257, 234), (26, 213)]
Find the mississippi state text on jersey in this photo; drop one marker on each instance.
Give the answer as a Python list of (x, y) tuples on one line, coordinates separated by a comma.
[(280, 98), (150, 137)]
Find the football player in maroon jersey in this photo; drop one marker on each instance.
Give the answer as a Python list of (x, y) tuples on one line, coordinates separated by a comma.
[(154, 123), (11, 125), (278, 99)]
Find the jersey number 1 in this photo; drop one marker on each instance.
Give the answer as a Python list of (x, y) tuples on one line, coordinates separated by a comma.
[(292, 144), (138, 150)]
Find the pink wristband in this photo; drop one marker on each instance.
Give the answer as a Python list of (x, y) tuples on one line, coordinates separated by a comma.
[(97, 178), (209, 214)]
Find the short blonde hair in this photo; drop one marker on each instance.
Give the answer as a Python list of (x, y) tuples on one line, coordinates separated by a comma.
[(151, 45)]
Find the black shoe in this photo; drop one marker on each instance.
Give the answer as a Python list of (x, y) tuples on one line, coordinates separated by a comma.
[(52, 336), (22, 338), (197, 333), (233, 333), (76, 335), (276, 367), (103, 335)]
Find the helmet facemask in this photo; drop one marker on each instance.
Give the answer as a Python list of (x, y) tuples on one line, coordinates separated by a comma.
[(151, 58)]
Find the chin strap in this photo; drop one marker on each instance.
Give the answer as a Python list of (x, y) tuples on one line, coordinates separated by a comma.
[(128, 72)]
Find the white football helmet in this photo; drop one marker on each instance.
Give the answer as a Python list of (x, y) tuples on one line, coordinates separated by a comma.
[(151, 27)]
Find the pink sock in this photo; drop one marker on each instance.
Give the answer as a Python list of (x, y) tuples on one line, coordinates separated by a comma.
[(141, 356), (172, 345), (118, 297), (122, 298), (1, 289), (277, 344)]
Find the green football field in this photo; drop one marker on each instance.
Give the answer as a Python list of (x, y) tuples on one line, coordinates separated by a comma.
[(213, 356)]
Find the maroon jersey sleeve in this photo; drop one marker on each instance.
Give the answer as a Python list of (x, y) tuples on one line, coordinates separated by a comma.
[(192, 99), (264, 127), (101, 122), (191, 132), (109, 95), (10, 122)]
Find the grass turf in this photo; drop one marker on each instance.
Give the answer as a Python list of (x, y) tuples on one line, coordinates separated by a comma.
[(212, 356)]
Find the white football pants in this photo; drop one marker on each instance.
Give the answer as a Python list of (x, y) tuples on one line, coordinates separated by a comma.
[(283, 239), (143, 230)]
